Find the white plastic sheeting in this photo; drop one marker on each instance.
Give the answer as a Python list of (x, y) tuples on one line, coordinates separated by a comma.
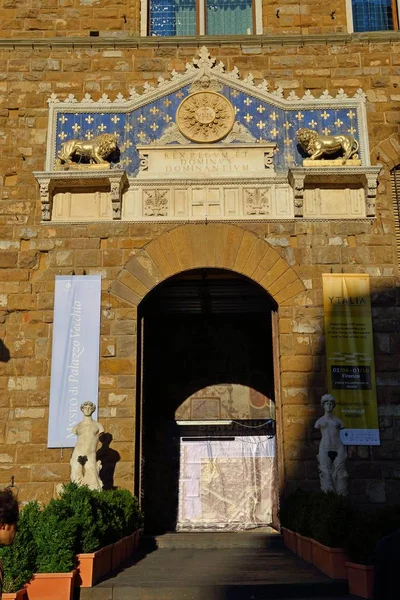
[(226, 484)]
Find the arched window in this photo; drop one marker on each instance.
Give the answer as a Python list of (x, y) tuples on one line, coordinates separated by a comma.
[(202, 17), (374, 15)]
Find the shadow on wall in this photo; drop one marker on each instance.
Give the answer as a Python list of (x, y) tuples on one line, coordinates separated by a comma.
[(109, 458), (4, 352)]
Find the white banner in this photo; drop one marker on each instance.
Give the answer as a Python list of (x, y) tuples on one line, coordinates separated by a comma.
[(75, 354)]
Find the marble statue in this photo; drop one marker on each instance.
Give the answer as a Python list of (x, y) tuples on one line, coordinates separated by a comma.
[(84, 466), (332, 453), (318, 146)]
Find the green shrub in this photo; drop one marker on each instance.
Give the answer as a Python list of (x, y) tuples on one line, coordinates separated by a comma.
[(56, 538), (362, 539), (81, 502), (331, 519), (295, 511), (19, 559)]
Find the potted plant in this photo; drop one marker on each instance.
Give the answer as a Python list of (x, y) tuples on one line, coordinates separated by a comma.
[(55, 538), (302, 524), (19, 559), (360, 548), (331, 520)]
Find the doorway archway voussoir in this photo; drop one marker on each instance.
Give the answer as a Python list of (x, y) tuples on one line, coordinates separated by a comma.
[(218, 245)]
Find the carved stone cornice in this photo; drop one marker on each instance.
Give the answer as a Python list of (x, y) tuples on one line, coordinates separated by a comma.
[(50, 181), (134, 42)]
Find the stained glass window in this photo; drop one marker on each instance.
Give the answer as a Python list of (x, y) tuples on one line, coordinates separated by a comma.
[(373, 15)]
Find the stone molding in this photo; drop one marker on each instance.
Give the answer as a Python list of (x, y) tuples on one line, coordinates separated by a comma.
[(244, 41), (194, 246)]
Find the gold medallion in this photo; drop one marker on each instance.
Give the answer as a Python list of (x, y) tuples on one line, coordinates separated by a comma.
[(205, 117)]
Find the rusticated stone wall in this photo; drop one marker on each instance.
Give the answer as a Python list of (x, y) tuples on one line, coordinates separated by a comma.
[(32, 254), (34, 19)]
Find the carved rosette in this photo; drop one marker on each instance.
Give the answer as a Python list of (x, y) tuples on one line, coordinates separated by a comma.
[(205, 117), (257, 201), (156, 203)]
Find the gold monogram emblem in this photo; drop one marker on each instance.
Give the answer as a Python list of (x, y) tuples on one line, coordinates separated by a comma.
[(205, 117)]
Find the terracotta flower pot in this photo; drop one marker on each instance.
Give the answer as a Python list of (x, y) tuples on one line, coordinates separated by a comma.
[(20, 595), (93, 566), (330, 561), (118, 553), (289, 539), (361, 579), (304, 547), (49, 586)]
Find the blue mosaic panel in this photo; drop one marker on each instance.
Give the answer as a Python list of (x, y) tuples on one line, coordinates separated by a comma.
[(266, 122)]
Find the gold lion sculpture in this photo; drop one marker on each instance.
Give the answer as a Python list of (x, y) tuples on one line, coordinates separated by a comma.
[(96, 150), (317, 145)]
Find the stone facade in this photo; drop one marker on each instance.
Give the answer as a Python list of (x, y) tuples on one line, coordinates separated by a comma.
[(287, 258)]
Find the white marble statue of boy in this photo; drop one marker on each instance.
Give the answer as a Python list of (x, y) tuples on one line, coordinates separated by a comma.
[(84, 466), (332, 453)]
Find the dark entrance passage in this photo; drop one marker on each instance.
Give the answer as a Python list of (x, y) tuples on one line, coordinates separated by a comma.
[(206, 372)]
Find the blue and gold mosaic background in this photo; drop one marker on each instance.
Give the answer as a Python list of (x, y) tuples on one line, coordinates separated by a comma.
[(265, 121)]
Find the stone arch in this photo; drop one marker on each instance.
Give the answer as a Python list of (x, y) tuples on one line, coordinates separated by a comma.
[(218, 245), (387, 153)]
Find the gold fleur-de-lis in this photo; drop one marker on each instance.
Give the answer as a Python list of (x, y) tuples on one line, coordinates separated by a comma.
[(141, 136), (62, 135), (274, 132), (89, 135), (287, 125), (299, 116), (274, 116), (287, 141), (167, 118), (313, 123), (128, 127), (63, 119), (325, 115), (89, 119), (179, 94), (352, 130), (154, 110), (167, 102), (248, 117), (154, 126), (260, 108), (102, 127), (235, 93), (248, 101), (128, 144), (141, 119), (351, 114), (115, 119), (75, 127), (326, 131), (260, 124), (338, 122)]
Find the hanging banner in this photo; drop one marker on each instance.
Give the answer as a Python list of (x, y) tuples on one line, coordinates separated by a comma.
[(350, 356), (75, 354)]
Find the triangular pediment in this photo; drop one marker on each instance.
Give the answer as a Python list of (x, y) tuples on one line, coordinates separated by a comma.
[(262, 114)]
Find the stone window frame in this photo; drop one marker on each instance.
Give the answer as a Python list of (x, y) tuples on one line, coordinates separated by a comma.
[(144, 17), (349, 15)]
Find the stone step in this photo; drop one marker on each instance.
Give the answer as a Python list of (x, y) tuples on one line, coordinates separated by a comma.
[(266, 539), (238, 573)]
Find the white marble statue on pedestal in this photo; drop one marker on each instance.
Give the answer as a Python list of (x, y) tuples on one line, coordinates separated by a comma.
[(84, 466), (332, 453)]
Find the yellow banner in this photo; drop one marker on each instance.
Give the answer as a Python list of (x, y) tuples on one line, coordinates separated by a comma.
[(350, 355)]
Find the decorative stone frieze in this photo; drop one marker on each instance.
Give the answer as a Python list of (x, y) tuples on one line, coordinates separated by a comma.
[(81, 195), (336, 192)]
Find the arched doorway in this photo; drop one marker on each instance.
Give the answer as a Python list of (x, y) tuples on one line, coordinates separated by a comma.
[(206, 403)]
